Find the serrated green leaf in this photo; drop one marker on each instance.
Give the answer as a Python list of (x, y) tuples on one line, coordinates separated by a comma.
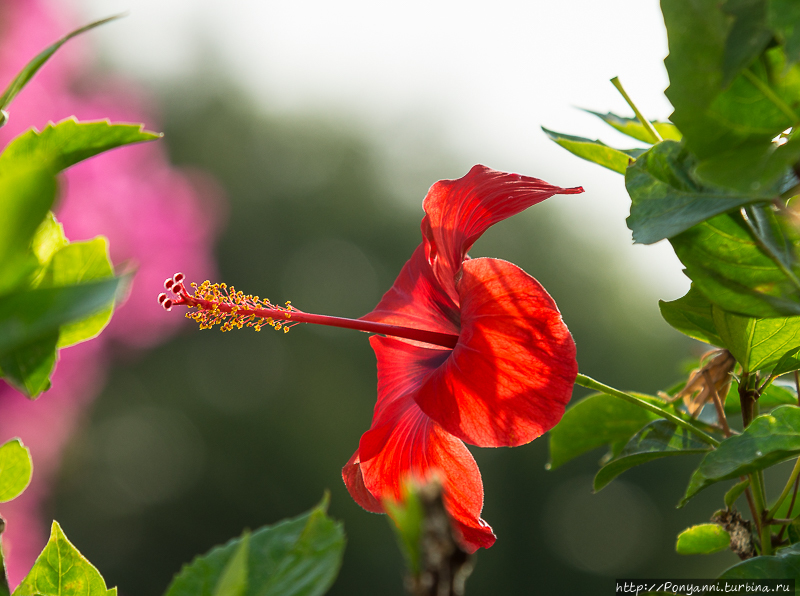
[(735, 492), (757, 343), (728, 265), (16, 469), (784, 18), (77, 263), (26, 196), (692, 316), (30, 315), (666, 200), (635, 129), (747, 38), (297, 557), (62, 145), (28, 368), (595, 421), (768, 440), (233, 579), (30, 69), (595, 151), (702, 539), (658, 439), (62, 571), (789, 362), (784, 565)]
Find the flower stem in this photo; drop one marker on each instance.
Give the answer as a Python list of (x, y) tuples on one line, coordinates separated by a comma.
[(645, 122), (590, 383)]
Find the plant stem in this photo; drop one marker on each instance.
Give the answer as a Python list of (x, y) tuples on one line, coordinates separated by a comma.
[(797, 385), (786, 489), (770, 95), (765, 533), (645, 122), (746, 399), (791, 505), (590, 383)]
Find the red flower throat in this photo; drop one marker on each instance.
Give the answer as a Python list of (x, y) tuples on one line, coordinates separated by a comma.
[(468, 350)]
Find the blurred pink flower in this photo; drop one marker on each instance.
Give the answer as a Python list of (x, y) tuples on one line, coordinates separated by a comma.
[(155, 216)]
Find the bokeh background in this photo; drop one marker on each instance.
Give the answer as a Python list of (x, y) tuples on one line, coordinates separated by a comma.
[(310, 132)]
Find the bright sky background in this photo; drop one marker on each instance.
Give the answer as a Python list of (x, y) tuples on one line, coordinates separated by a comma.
[(482, 80)]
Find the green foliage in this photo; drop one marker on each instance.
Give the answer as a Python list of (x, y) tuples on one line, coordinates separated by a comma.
[(31, 68), (784, 19), (666, 199), (735, 492), (658, 439), (757, 344), (62, 571), (784, 565), (772, 397), (298, 557), (407, 518), (598, 152), (768, 440), (16, 469), (789, 362), (635, 129), (595, 421), (692, 315), (702, 539)]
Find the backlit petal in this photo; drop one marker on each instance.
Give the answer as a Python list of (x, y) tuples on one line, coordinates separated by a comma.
[(459, 211), (403, 442), (354, 481), (511, 375)]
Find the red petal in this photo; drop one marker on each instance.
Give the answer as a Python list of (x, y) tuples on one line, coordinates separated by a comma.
[(417, 300), (404, 442), (511, 375), (354, 481), (459, 211)]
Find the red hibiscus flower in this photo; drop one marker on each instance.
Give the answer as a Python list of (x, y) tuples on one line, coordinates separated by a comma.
[(471, 350)]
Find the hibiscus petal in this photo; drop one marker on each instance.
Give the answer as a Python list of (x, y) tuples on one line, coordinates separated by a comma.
[(417, 300), (354, 481), (511, 375), (459, 211), (403, 442)]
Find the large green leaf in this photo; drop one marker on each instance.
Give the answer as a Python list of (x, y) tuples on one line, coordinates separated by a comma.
[(770, 439), (757, 343), (789, 362), (62, 571), (713, 116), (30, 69), (35, 314), (26, 195), (784, 18), (692, 315), (635, 129), (595, 151), (28, 368), (297, 557), (728, 263), (658, 439), (747, 38), (77, 263), (665, 198), (233, 579), (16, 469), (595, 421), (703, 539), (784, 565), (64, 144)]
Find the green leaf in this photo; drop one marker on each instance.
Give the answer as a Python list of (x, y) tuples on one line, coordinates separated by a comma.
[(794, 531), (595, 421), (633, 128), (407, 518), (789, 362), (665, 198), (692, 315), (16, 469), (784, 18), (28, 368), (772, 397), (595, 151), (62, 145), (296, 557), (756, 343), (47, 241), (658, 439), (30, 69), (748, 36), (62, 571), (26, 196), (735, 492), (703, 539), (784, 565), (726, 262), (35, 314), (81, 262), (770, 439), (233, 579)]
